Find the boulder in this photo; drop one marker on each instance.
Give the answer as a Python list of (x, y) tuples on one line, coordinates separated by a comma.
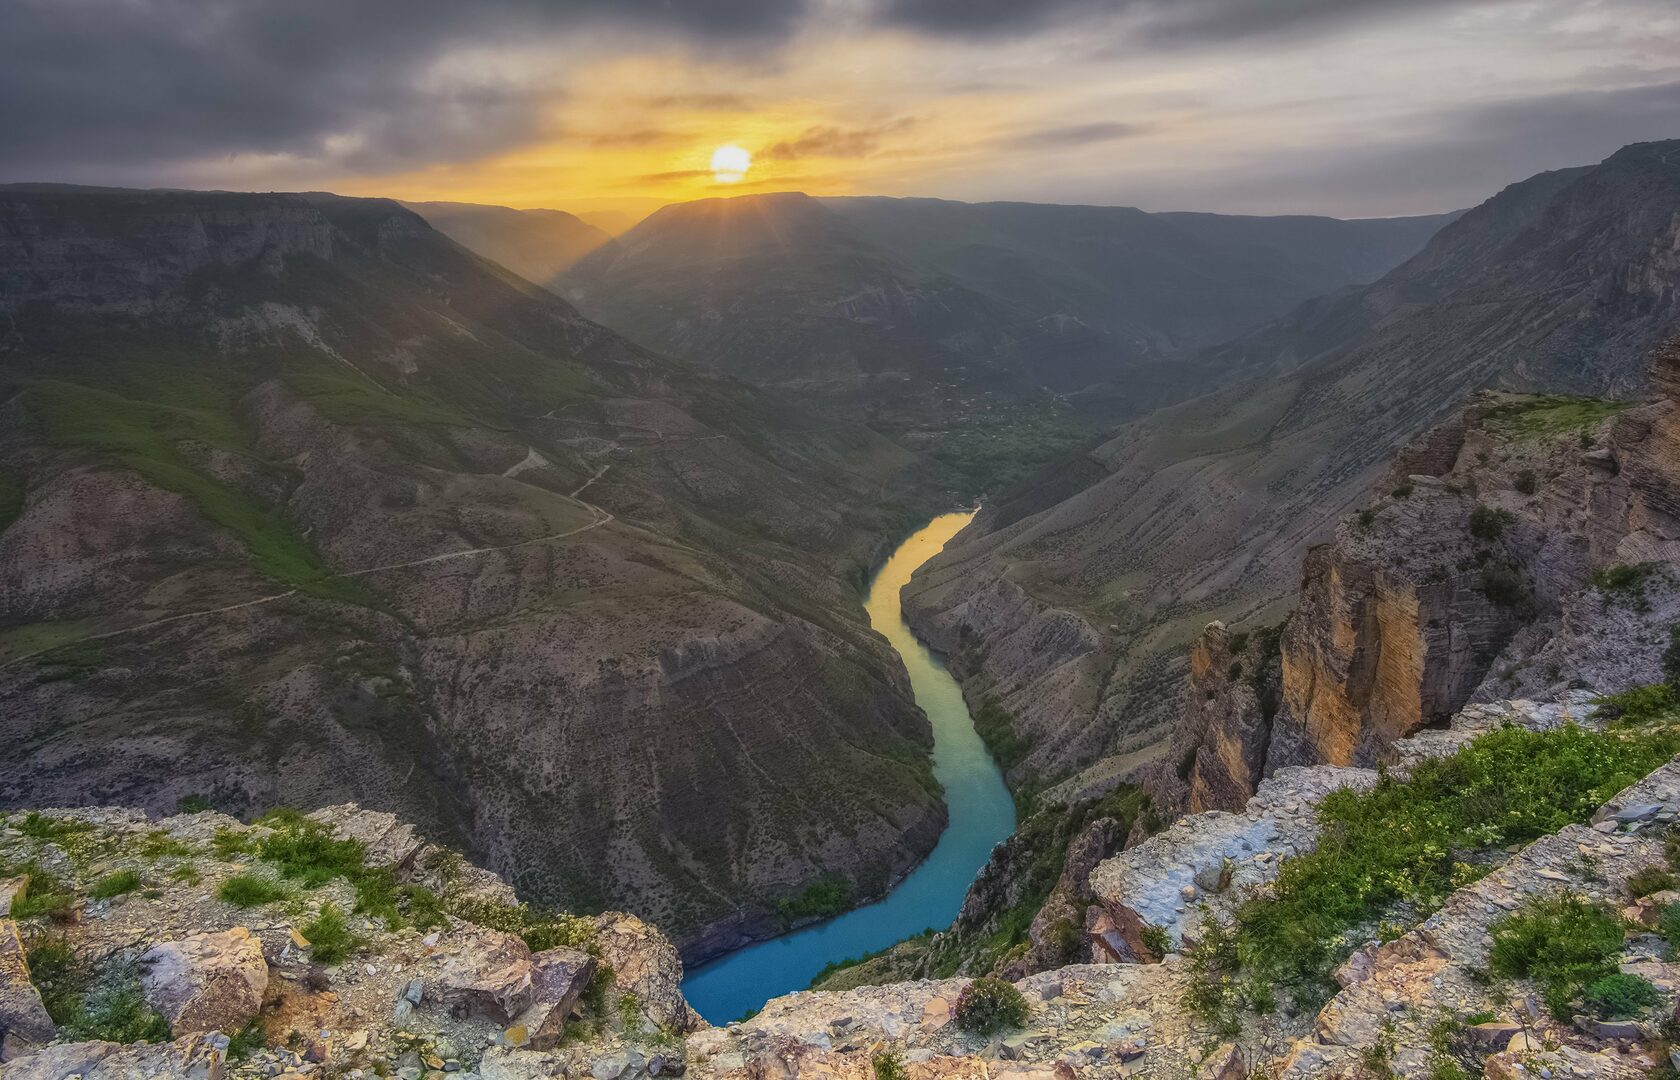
[(644, 963), (195, 1057), (386, 840), (206, 982), (487, 972), (23, 1018), (559, 978)]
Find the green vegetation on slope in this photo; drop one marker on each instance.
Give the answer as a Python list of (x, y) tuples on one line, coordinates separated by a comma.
[(1402, 847), (11, 497), (147, 437), (1545, 415)]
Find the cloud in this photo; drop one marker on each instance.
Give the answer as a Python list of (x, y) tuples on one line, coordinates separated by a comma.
[(834, 142), (711, 101), (1441, 161), (123, 88), (1147, 20), (1078, 135)]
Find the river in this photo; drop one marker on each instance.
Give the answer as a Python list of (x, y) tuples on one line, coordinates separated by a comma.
[(982, 815)]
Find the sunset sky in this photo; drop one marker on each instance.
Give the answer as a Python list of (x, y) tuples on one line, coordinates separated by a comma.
[(1347, 107)]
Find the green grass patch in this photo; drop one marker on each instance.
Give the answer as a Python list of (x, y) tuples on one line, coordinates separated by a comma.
[(307, 851), (43, 896), (1544, 416), (1409, 843), (248, 891), (228, 843), (113, 885), (350, 399), (330, 940), (42, 636)]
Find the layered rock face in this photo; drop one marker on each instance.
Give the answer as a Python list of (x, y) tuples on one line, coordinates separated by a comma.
[(1203, 511), (312, 505)]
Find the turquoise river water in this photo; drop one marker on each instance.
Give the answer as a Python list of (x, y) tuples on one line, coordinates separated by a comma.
[(982, 814)]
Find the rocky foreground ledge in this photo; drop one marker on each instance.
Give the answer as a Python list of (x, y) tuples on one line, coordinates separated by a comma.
[(341, 945)]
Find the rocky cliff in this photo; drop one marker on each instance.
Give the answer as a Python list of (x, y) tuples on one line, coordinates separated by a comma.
[(303, 503), (339, 944)]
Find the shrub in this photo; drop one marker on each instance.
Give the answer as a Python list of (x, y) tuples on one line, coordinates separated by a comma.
[(1503, 584), (193, 804), (1156, 939), (244, 890), (1213, 994), (1489, 524), (1404, 491), (827, 896), (1649, 879), (1621, 997), (1625, 581), (1563, 942), (889, 1065), (329, 939), (1526, 482), (989, 1004), (117, 884), (1668, 925), (1640, 705), (540, 929)]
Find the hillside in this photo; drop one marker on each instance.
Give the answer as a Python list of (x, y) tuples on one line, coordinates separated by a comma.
[(304, 503), (1076, 603)]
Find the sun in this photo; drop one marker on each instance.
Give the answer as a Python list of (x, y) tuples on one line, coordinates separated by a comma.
[(730, 163)]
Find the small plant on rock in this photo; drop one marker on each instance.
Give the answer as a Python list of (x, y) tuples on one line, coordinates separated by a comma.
[(1156, 939), (989, 1004), (1489, 524), (1525, 482), (889, 1065)]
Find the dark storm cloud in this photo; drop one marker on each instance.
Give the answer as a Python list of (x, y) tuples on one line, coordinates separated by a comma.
[(122, 85), (1156, 19), (1077, 135)]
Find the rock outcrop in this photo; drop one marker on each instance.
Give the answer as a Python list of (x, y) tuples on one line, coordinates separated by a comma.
[(206, 982)]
